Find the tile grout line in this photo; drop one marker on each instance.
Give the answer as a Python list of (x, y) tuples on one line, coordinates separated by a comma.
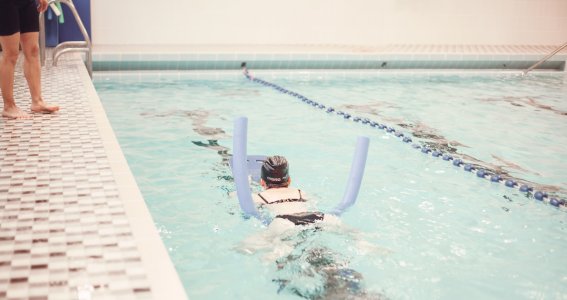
[(73, 223)]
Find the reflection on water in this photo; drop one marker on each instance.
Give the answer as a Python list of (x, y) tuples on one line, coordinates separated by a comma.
[(315, 271), (433, 139), (199, 120), (524, 101)]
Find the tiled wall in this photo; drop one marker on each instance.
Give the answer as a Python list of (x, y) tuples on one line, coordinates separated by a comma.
[(340, 64), (360, 22), (389, 57)]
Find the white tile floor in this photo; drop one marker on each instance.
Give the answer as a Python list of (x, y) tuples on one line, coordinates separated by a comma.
[(73, 224)]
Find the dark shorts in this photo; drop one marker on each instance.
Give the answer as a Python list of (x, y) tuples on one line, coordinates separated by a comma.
[(305, 218), (18, 16)]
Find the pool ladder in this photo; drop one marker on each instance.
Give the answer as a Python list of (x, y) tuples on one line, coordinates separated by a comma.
[(70, 46), (545, 58)]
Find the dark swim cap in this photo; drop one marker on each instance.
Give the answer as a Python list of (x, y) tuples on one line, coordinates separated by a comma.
[(275, 170)]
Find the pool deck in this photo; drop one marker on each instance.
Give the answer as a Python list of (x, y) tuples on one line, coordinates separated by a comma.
[(73, 223), (387, 57)]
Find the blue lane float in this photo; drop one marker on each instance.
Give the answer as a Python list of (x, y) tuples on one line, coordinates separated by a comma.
[(493, 177), (556, 202), (525, 189)]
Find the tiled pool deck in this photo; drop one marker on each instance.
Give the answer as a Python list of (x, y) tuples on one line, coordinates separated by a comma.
[(73, 222)]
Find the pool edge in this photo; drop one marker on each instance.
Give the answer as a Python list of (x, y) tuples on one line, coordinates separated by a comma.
[(163, 277)]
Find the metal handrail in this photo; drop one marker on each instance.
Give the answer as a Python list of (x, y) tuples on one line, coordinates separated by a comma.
[(42, 39), (541, 61), (71, 46)]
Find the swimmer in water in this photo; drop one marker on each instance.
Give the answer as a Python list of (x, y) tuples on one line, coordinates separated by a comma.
[(292, 215), (287, 204)]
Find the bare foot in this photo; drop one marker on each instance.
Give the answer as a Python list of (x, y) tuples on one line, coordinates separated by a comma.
[(43, 108), (15, 112)]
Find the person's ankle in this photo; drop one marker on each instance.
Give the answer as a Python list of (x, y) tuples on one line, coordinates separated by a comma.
[(37, 101), (9, 104)]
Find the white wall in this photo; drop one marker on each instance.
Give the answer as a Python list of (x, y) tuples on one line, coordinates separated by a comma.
[(354, 22)]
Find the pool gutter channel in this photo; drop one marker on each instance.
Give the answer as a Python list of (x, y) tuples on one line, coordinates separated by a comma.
[(390, 57)]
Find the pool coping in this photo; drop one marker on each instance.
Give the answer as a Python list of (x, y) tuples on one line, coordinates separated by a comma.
[(163, 277), (74, 222)]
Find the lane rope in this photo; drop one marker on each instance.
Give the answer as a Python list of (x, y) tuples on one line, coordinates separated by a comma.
[(482, 173)]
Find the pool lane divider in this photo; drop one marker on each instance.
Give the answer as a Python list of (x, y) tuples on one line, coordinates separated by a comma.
[(457, 162)]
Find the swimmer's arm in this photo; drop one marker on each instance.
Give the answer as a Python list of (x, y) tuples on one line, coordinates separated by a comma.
[(270, 241), (257, 200), (253, 244), (333, 223)]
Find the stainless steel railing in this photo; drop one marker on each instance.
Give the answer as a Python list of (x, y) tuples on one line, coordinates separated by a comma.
[(67, 47), (541, 61)]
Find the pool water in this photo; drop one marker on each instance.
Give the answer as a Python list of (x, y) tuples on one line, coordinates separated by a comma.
[(421, 228)]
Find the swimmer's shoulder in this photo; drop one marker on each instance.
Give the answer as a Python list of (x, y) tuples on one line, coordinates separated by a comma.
[(331, 219)]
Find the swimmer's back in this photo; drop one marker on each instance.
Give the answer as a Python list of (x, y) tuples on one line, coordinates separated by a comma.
[(281, 201)]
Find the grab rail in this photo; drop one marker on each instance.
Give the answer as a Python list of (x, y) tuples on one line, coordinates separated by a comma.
[(71, 46), (42, 31), (545, 58)]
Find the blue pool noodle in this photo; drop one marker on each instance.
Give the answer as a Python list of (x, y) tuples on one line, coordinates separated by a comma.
[(240, 167), (355, 176), (240, 171), (254, 165)]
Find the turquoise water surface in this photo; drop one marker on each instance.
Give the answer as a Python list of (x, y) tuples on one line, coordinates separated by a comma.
[(421, 228)]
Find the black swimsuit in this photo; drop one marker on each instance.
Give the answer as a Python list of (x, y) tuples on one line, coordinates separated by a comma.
[(300, 199), (304, 218), (18, 16), (299, 219)]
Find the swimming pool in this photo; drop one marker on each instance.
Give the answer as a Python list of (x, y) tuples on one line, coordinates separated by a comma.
[(429, 230)]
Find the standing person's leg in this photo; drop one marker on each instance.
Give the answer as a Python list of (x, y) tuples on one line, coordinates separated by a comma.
[(10, 52), (29, 37), (32, 71), (10, 41)]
